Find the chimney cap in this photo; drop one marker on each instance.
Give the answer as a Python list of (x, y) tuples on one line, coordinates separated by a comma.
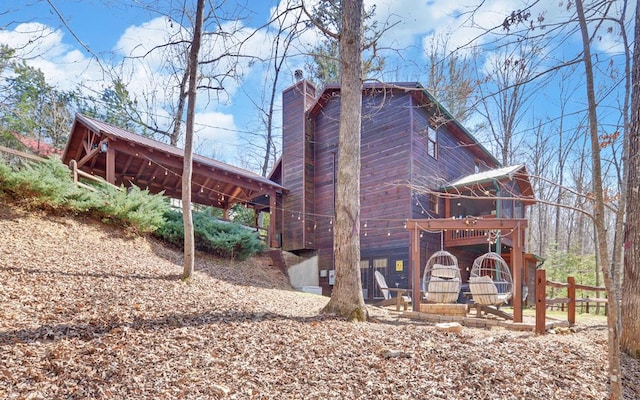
[(298, 75)]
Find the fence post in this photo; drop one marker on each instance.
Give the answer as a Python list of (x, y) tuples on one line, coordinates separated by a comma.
[(74, 170), (541, 301), (571, 293)]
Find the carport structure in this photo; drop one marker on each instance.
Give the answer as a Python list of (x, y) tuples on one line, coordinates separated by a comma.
[(125, 158)]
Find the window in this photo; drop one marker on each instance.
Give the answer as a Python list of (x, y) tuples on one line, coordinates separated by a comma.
[(433, 203), (432, 143)]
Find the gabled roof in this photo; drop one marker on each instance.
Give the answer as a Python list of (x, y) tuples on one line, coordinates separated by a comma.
[(158, 166), (517, 173), (422, 96)]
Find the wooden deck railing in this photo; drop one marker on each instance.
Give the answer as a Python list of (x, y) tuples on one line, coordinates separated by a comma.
[(466, 237), (542, 302)]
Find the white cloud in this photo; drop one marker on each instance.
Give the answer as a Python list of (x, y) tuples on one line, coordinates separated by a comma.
[(42, 46), (216, 135)]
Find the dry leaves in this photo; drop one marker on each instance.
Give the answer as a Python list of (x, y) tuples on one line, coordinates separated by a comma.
[(88, 311)]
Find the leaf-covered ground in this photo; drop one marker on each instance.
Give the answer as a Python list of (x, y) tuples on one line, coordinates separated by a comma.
[(89, 311)]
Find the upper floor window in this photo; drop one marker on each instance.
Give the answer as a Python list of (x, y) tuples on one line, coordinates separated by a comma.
[(433, 203), (432, 143)]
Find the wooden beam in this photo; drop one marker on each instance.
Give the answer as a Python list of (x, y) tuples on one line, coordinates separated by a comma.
[(111, 164), (21, 154), (235, 193), (414, 262), (541, 301), (272, 220), (471, 223), (516, 265), (92, 153)]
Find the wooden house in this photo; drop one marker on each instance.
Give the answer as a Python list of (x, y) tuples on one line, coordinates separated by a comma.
[(417, 162)]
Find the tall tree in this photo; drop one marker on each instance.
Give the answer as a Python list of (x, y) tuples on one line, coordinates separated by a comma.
[(325, 65), (630, 338), (284, 28), (450, 78), (346, 298), (505, 96), (189, 245), (613, 316), (33, 108)]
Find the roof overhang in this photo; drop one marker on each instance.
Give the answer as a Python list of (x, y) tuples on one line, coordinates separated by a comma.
[(496, 178)]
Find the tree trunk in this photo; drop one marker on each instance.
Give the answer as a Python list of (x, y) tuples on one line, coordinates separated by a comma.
[(630, 338), (189, 246), (346, 298), (177, 122), (613, 317)]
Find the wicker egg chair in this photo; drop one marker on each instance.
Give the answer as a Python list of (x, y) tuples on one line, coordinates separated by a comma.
[(441, 278), (490, 280)]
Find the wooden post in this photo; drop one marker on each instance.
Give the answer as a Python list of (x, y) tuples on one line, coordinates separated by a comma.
[(541, 301), (414, 259), (73, 164), (517, 261), (571, 293), (111, 165), (272, 221)]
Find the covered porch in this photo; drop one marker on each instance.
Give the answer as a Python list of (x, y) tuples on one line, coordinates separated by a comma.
[(125, 158)]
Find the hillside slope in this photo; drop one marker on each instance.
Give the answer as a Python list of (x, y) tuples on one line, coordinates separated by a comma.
[(88, 311)]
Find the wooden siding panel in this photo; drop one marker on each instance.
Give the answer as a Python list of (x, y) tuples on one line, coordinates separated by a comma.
[(295, 169)]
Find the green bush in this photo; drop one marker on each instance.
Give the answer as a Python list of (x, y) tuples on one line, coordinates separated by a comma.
[(48, 185), (134, 207), (225, 239)]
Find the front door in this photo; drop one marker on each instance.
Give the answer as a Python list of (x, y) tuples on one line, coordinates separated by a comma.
[(368, 266)]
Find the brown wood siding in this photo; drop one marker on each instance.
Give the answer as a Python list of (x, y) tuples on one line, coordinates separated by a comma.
[(385, 159), (295, 156), (453, 160), (326, 147)]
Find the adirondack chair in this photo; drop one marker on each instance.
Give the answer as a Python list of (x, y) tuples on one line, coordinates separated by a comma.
[(400, 299)]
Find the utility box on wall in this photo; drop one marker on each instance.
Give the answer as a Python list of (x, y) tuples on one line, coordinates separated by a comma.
[(332, 277)]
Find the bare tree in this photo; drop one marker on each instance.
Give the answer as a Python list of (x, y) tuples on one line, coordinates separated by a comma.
[(450, 78), (287, 29), (504, 95), (189, 244), (630, 338), (613, 317)]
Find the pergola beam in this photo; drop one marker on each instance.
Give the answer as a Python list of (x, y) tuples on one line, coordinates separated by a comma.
[(517, 251)]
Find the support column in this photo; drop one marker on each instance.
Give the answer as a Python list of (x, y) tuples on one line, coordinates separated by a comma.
[(111, 165), (517, 263), (272, 220), (414, 261)]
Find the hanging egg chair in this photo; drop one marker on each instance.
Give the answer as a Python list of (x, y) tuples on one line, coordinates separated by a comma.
[(490, 280), (441, 278)]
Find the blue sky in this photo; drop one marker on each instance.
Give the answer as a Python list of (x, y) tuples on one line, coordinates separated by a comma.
[(114, 29)]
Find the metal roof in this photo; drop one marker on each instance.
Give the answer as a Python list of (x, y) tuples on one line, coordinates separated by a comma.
[(487, 176)]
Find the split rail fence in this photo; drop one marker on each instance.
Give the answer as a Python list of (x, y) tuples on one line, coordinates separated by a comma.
[(571, 301)]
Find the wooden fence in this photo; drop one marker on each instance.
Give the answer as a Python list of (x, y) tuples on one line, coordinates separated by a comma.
[(73, 166), (542, 302), (76, 173)]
